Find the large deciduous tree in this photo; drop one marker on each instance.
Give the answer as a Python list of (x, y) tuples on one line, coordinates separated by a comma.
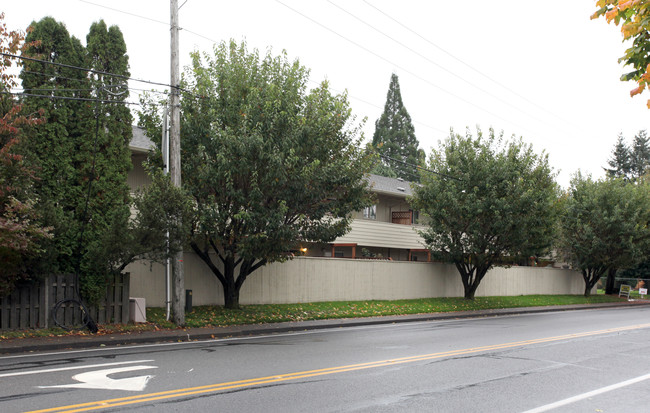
[(394, 138), (488, 202), (605, 226), (268, 163), (634, 19)]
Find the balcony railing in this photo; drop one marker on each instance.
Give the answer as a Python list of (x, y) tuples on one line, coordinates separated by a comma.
[(402, 217)]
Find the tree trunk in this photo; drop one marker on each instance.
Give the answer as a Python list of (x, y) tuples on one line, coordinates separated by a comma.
[(470, 291), (591, 277), (230, 297), (472, 277), (230, 289), (611, 281)]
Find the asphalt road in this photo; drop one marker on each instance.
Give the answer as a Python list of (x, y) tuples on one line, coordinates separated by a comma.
[(576, 361)]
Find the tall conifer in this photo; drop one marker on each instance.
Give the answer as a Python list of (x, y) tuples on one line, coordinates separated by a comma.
[(81, 152), (394, 138)]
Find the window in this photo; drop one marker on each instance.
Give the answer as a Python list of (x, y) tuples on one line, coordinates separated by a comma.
[(415, 217), (370, 212)]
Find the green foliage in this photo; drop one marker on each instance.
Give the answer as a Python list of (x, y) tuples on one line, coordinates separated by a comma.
[(395, 140), (634, 18), (207, 316), (630, 163), (604, 226), (162, 220), (267, 162), (486, 200), (21, 233), (81, 152)]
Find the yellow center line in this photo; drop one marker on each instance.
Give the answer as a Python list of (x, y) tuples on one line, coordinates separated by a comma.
[(190, 391)]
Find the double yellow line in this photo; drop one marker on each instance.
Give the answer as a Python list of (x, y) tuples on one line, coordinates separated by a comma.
[(213, 388)]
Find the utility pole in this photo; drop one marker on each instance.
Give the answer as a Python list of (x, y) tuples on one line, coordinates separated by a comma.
[(178, 275)]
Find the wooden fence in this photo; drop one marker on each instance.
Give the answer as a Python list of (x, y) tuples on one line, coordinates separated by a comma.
[(30, 306)]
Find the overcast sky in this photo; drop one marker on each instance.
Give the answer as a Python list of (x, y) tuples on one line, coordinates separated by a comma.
[(542, 71)]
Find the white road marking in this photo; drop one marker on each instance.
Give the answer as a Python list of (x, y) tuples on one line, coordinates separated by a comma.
[(583, 396), (99, 380), (88, 366)]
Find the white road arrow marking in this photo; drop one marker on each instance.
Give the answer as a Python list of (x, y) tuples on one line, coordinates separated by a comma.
[(99, 380)]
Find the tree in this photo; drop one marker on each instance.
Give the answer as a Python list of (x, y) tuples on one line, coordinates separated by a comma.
[(619, 164), (634, 18), (640, 156), (630, 163), (604, 226), (487, 202), (267, 163), (21, 234), (394, 138), (81, 152)]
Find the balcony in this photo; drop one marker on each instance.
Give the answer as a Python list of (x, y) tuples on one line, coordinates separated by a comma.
[(402, 217)]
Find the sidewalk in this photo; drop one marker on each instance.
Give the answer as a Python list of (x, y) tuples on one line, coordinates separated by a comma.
[(43, 344)]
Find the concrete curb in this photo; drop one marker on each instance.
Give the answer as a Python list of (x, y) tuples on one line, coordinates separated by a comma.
[(33, 344)]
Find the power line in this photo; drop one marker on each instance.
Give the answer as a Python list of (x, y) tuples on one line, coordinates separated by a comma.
[(73, 98), (379, 107), (149, 18), (85, 80), (125, 12), (419, 168), (461, 61), (85, 69), (398, 66), (55, 76), (434, 63)]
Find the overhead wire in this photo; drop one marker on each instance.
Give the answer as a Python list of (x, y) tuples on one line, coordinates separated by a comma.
[(406, 27), (75, 98), (418, 167), (149, 18), (89, 70), (399, 66), (380, 108), (407, 47)]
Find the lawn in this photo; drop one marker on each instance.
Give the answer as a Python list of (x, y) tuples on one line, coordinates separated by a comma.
[(204, 316), (212, 316)]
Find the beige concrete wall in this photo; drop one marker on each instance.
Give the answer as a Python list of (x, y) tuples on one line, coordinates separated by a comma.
[(311, 279)]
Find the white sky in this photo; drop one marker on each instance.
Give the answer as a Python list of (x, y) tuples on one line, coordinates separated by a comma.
[(562, 90)]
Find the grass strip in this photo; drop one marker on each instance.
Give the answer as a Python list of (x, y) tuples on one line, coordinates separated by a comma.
[(217, 316), (213, 316)]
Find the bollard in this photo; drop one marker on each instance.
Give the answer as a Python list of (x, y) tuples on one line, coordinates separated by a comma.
[(188, 301)]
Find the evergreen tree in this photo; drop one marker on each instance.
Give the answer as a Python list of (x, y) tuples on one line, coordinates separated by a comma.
[(640, 156), (394, 138), (81, 152), (630, 163), (619, 164)]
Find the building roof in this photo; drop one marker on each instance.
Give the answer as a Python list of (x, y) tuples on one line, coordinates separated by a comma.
[(140, 142), (391, 186)]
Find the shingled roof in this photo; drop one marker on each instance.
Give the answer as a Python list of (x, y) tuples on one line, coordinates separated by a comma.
[(140, 142), (391, 186)]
